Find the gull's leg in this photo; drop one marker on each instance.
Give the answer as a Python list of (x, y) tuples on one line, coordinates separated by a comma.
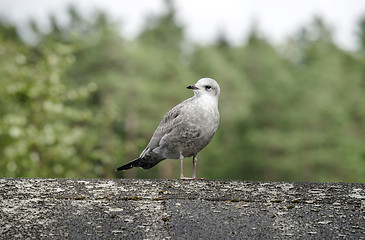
[(182, 167), (195, 159), (194, 166)]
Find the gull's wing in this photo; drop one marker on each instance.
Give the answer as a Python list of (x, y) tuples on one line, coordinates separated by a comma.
[(148, 158), (170, 121)]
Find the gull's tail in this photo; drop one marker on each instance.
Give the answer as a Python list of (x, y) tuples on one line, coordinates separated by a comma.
[(144, 162), (131, 164)]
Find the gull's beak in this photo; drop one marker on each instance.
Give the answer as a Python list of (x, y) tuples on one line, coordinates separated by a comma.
[(192, 87)]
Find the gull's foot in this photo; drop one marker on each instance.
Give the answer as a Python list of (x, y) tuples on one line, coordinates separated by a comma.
[(190, 178), (186, 178)]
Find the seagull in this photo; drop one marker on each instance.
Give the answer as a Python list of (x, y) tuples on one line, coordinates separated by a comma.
[(185, 130)]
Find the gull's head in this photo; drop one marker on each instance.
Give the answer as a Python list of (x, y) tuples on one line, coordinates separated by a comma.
[(206, 87)]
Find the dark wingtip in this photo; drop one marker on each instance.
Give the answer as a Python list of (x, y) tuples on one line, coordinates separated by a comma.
[(124, 167), (131, 164)]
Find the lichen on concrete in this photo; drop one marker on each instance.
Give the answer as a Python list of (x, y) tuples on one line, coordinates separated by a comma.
[(179, 209)]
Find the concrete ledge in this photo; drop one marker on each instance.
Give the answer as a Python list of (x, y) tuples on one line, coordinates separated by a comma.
[(176, 209)]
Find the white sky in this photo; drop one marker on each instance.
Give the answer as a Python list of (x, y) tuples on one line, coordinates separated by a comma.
[(204, 18)]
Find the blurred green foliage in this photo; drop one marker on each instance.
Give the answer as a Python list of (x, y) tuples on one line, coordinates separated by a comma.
[(84, 100)]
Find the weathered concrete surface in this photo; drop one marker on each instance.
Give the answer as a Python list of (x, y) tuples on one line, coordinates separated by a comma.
[(178, 209)]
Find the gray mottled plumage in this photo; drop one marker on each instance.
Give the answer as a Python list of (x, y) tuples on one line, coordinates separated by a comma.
[(185, 130)]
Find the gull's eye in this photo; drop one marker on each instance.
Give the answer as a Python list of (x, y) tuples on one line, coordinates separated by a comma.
[(208, 87)]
